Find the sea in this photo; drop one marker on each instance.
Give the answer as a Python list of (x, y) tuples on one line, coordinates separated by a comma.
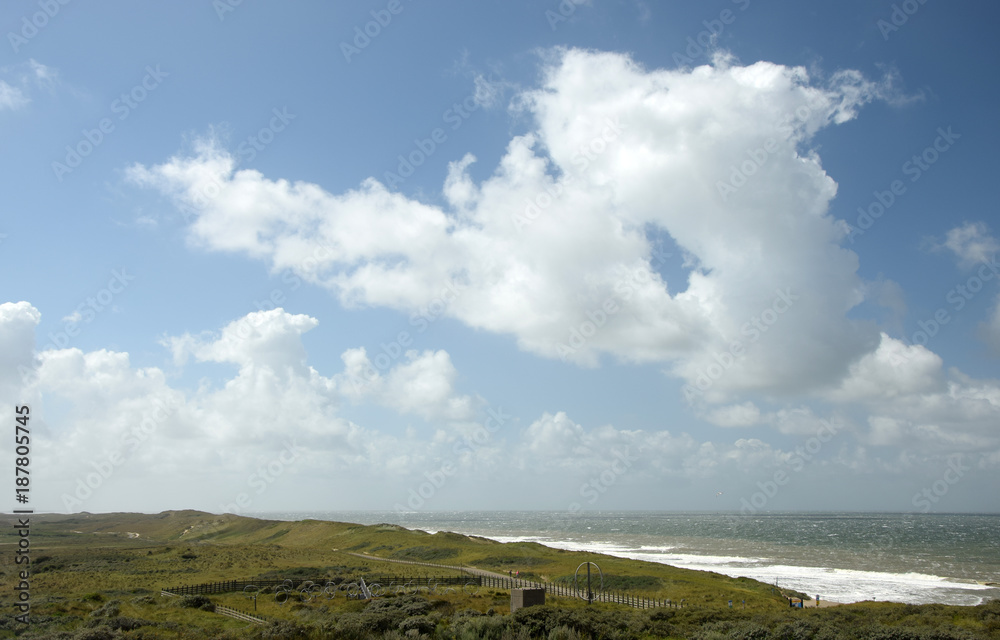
[(840, 557)]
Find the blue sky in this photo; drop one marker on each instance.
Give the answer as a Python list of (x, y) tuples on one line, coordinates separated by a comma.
[(629, 229)]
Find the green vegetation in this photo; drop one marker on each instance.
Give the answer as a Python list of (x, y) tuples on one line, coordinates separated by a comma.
[(98, 577), (424, 553), (644, 584)]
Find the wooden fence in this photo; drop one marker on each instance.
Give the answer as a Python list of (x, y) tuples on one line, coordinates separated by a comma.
[(229, 586), (476, 578), (496, 580), (239, 615), (569, 592)]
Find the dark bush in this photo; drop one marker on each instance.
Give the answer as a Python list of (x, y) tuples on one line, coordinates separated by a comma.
[(739, 630), (882, 632), (402, 606), (795, 630), (196, 602), (98, 633), (539, 621), (364, 624), (481, 628), (422, 624), (563, 633), (467, 613), (607, 624), (125, 623), (282, 630)]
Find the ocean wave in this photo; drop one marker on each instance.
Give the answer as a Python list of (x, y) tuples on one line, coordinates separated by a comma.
[(830, 583)]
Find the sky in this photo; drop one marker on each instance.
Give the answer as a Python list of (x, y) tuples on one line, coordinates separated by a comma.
[(581, 255)]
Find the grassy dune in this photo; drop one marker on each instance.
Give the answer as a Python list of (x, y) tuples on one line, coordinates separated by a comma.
[(96, 576)]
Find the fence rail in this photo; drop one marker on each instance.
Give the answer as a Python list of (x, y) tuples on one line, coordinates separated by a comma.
[(475, 577), (239, 615), (229, 586), (497, 580), (568, 591)]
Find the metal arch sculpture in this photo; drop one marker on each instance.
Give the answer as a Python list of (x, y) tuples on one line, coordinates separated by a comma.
[(308, 591), (590, 593), (330, 590), (281, 594)]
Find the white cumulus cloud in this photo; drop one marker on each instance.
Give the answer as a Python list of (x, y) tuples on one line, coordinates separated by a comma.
[(554, 247)]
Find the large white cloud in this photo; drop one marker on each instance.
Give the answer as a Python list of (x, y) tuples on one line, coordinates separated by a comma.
[(892, 370), (555, 248), (914, 403), (421, 384), (559, 248), (17, 347), (279, 419), (97, 415)]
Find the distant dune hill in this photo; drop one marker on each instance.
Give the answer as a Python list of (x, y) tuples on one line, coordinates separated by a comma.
[(336, 542)]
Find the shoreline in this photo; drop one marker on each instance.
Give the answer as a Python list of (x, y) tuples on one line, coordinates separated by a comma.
[(835, 584), (735, 572)]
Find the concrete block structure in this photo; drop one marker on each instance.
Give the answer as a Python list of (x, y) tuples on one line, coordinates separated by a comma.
[(520, 598)]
